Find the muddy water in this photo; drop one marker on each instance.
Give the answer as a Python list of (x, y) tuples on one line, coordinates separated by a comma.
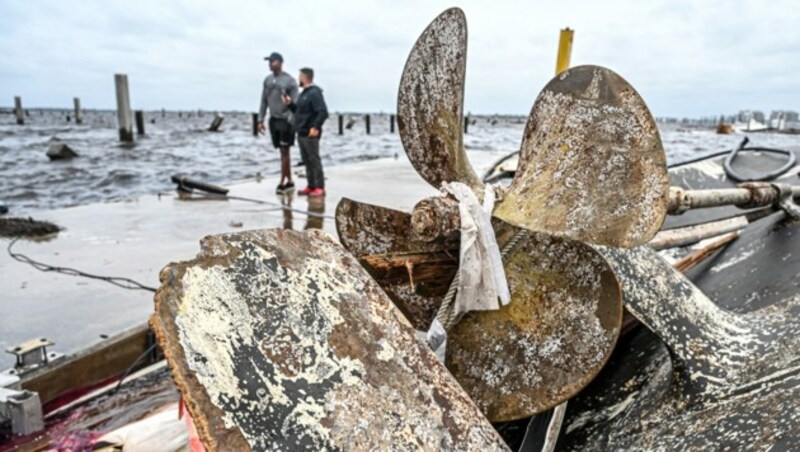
[(107, 171)]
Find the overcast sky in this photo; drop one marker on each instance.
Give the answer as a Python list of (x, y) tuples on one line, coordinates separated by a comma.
[(686, 58)]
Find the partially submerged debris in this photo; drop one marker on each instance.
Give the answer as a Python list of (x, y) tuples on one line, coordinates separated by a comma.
[(280, 339), (60, 151), (26, 227)]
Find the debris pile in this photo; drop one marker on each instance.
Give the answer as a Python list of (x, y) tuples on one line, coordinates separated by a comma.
[(281, 339)]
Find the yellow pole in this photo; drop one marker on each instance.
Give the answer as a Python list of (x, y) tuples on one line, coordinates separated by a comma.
[(564, 50)]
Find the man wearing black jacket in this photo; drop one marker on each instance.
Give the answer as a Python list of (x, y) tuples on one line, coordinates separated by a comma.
[(310, 112)]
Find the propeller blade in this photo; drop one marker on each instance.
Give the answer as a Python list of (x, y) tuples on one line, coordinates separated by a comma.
[(366, 229), (550, 341), (280, 340), (383, 242), (430, 103), (592, 166)]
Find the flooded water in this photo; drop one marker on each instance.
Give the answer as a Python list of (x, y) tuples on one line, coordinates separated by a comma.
[(107, 171)]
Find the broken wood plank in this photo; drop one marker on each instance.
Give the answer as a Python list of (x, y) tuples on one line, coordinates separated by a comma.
[(687, 263)]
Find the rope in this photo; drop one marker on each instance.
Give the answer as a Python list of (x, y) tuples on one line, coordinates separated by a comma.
[(125, 283), (445, 314)]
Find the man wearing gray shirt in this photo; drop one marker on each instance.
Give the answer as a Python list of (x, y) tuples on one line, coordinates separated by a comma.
[(281, 129)]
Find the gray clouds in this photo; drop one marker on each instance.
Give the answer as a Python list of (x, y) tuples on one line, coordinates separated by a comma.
[(685, 57)]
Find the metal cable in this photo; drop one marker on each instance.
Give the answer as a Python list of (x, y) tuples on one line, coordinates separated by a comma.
[(445, 314), (268, 203), (125, 283)]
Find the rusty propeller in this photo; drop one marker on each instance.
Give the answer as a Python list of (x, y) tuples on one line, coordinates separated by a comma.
[(592, 169)]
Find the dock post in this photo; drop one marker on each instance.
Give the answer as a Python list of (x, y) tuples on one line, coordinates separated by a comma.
[(366, 122), (564, 50), (139, 122), (18, 110), (466, 124), (218, 118), (341, 125), (123, 108), (391, 123), (78, 113), (255, 124)]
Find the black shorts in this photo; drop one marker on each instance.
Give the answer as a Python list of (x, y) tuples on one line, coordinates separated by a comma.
[(282, 132)]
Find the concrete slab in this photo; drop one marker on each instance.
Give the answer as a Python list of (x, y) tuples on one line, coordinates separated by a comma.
[(135, 239)]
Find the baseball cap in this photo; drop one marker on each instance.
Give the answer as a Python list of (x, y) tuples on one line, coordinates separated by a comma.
[(274, 56)]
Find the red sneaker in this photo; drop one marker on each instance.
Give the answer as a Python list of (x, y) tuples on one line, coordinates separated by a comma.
[(317, 192), (305, 191)]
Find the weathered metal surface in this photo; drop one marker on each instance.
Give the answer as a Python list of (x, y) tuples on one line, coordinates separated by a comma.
[(592, 166), (760, 269), (746, 196), (430, 102), (368, 229), (731, 380), (279, 339), (710, 174), (550, 341), (436, 217)]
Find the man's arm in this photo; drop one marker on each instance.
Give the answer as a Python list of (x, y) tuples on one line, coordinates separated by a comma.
[(320, 110), (293, 91), (262, 112)]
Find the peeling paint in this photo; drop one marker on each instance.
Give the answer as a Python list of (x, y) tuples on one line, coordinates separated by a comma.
[(731, 380), (280, 340)]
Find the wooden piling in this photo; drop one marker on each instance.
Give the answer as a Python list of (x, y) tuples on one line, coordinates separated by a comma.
[(367, 123), (218, 118), (391, 123), (466, 124), (255, 124), (78, 113), (18, 110), (341, 125), (139, 122), (123, 108)]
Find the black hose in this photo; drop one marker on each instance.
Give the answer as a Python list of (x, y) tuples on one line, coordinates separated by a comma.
[(763, 177), (699, 159)]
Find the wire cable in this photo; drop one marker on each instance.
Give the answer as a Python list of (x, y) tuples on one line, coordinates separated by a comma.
[(125, 283), (134, 364), (267, 203)]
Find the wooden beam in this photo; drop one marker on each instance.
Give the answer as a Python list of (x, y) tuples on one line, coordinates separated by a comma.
[(90, 366)]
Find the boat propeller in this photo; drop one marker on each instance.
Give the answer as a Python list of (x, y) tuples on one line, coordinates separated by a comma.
[(592, 171)]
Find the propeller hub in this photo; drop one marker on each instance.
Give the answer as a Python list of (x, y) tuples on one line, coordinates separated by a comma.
[(436, 217)]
